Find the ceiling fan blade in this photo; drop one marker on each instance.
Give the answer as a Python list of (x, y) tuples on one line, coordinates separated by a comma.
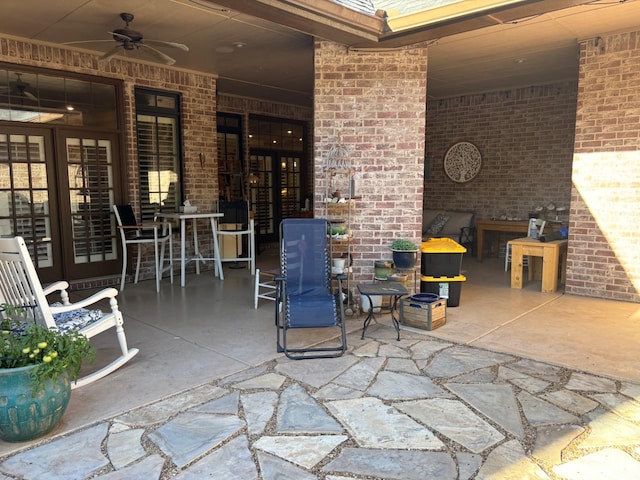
[(29, 95), (87, 41), (164, 58), (122, 36), (111, 53), (180, 46)]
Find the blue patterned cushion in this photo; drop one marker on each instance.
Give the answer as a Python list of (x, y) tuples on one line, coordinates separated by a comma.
[(77, 319)]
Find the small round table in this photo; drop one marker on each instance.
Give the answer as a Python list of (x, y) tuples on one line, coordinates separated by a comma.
[(391, 289)]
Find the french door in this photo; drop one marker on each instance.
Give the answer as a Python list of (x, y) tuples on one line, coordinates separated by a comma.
[(27, 190), (60, 199), (278, 192), (87, 173)]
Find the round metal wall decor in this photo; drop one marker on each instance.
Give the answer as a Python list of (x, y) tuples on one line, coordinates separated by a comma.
[(462, 162)]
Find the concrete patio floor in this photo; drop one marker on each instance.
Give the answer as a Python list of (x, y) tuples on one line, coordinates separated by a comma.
[(209, 330)]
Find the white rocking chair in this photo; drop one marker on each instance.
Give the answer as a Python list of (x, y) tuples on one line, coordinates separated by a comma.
[(21, 287)]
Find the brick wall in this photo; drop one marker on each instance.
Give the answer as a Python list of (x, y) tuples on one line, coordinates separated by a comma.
[(374, 104), (198, 105), (604, 240), (525, 137)]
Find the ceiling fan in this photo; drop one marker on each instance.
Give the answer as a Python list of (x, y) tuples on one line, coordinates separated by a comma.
[(19, 88), (128, 40)]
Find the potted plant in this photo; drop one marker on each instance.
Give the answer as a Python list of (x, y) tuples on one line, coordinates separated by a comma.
[(405, 253), (37, 366)]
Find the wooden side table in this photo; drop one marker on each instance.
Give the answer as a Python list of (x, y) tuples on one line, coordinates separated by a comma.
[(551, 253)]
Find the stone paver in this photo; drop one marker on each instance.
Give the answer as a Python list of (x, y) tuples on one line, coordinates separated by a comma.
[(454, 420), (415, 409), (498, 402), (376, 425), (124, 446), (607, 464), (48, 461), (190, 435), (509, 462), (302, 450)]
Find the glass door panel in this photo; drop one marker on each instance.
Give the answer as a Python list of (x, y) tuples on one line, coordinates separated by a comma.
[(24, 193), (290, 186), (88, 171), (262, 199)]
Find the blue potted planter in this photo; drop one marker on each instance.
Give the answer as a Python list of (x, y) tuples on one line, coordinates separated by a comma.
[(405, 254), (25, 416), (405, 260)]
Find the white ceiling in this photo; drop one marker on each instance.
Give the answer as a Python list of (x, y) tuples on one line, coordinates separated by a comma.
[(276, 62)]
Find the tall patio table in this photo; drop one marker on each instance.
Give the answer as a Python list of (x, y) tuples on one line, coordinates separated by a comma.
[(194, 217)]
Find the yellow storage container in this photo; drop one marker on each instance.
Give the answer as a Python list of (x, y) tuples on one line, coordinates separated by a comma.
[(441, 257)]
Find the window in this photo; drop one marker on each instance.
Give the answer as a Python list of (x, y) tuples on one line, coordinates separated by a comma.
[(159, 154), (36, 97)]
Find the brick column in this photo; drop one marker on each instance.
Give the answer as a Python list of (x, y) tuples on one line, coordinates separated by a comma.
[(604, 239), (374, 103)]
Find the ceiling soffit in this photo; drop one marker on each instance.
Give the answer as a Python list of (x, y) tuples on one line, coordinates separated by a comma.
[(330, 21)]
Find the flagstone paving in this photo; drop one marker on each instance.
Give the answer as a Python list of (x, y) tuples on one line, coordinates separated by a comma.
[(416, 408)]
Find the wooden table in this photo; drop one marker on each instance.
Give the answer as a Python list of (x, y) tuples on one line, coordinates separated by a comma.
[(551, 253), (483, 226), (183, 217)]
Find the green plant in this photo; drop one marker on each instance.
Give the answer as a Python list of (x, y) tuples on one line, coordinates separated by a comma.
[(54, 352), (404, 245)]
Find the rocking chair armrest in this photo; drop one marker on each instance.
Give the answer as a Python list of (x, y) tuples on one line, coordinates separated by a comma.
[(110, 293), (59, 286)]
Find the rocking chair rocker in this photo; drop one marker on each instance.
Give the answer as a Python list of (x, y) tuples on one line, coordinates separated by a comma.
[(21, 287)]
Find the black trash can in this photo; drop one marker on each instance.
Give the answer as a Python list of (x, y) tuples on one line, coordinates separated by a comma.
[(444, 287)]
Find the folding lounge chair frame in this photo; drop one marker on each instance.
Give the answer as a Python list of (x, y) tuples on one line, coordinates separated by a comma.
[(305, 297)]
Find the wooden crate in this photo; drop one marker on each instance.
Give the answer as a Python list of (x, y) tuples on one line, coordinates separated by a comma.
[(427, 316)]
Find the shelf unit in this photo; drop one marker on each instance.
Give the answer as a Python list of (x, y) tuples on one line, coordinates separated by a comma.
[(338, 213), (338, 202)]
